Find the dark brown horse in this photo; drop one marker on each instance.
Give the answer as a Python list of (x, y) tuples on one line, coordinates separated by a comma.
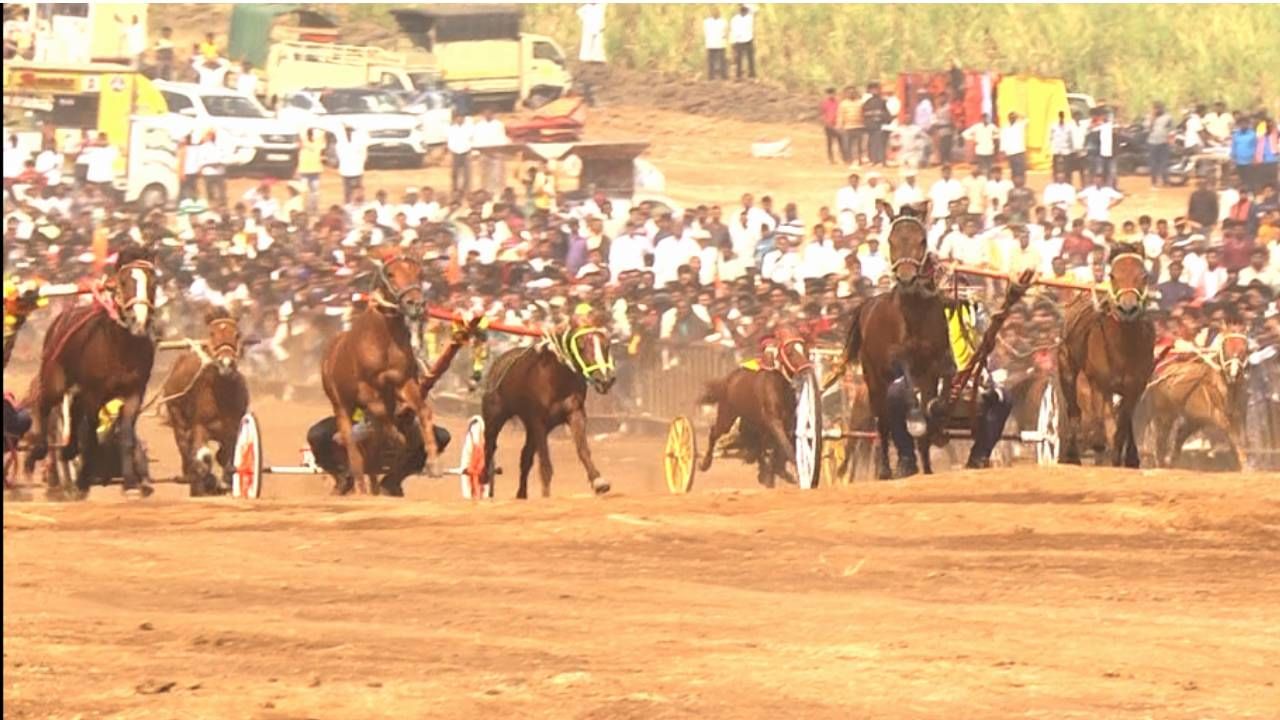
[(374, 369), (765, 403), (97, 353), (903, 334), (205, 396), (545, 385), (1108, 339), (1197, 394)]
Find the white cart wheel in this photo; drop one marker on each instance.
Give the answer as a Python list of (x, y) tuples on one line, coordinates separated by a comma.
[(808, 430), (1048, 424), (246, 479)]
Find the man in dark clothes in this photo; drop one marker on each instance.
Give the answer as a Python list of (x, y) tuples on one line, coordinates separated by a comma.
[(1174, 290), (875, 115), (1202, 208)]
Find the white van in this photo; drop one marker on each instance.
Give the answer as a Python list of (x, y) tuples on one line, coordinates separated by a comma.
[(261, 144)]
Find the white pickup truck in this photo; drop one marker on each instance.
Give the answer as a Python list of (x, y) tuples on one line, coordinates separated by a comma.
[(260, 144), (395, 137)]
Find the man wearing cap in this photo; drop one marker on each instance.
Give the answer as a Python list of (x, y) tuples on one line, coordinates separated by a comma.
[(908, 192)]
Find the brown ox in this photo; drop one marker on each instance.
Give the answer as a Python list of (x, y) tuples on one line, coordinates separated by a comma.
[(205, 396), (1108, 340), (92, 354), (373, 368)]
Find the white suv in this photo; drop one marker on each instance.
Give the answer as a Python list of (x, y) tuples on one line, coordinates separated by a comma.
[(261, 143), (395, 137)]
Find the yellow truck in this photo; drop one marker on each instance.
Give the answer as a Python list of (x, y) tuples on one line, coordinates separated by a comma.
[(295, 65), (97, 98), (480, 49)]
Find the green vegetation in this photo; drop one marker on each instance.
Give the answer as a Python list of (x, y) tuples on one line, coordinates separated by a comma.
[(1126, 54)]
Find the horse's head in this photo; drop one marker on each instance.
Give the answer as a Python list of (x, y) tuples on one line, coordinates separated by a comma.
[(135, 291), (1128, 289), (1233, 357), (909, 255), (224, 340), (399, 287), (589, 347), (793, 353)]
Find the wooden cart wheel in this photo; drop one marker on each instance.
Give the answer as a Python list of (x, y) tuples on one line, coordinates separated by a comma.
[(808, 430), (1048, 424), (680, 456), (246, 478), (833, 457)]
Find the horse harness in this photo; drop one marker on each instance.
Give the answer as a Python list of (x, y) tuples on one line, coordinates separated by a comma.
[(1106, 298), (927, 267), (382, 284), (565, 346)]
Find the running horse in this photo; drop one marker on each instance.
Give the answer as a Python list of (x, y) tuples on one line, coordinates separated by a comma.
[(545, 386), (903, 334), (1108, 340), (93, 354), (1197, 393), (373, 368), (205, 397), (760, 394)]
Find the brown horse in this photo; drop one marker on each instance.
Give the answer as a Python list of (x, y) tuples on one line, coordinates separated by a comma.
[(373, 368), (205, 396), (1108, 339), (765, 402), (545, 385), (96, 353), (1198, 394), (903, 334)]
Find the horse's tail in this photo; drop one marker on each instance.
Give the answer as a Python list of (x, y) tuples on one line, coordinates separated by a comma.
[(714, 392), (852, 346)]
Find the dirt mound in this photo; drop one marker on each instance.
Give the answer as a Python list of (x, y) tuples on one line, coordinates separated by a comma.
[(754, 101)]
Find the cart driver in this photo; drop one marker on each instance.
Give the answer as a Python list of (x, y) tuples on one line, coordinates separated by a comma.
[(20, 300), (323, 436), (994, 402)]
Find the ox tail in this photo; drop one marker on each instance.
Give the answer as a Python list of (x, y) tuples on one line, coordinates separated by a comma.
[(852, 347), (714, 392)]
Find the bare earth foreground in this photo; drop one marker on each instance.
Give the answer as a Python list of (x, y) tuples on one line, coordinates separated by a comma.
[(1013, 593)]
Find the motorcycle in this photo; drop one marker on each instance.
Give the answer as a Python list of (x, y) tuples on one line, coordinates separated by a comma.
[(1133, 156)]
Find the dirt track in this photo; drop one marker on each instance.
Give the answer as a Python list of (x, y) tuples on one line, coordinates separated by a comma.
[(1013, 593)]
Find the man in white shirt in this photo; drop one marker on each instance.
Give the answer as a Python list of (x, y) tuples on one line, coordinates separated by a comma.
[(1193, 131), (849, 197), (874, 264), (757, 216), (964, 246), (459, 141), (352, 152), (489, 132), (1098, 200), (820, 257), (714, 32), (629, 251), (211, 72), (908, 192), (781, 264), (669, 254), (246, 81), (102, 164), (479, 246), (982, 136), (1013, 143), (944, 190), (1061, 137), (1107, 150), (134, 37), (742, 33), (592, 17), (1218, 124), (998, 189), (1060, 193)]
